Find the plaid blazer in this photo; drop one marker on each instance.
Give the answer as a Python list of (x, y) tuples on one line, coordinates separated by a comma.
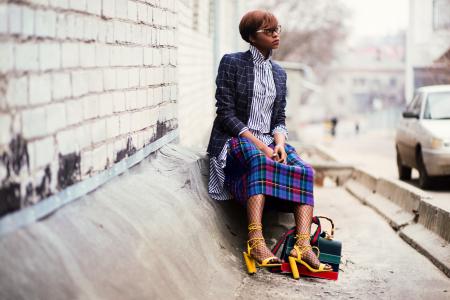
[(234, 93)]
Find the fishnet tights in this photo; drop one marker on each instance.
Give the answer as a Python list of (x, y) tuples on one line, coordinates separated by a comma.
[(303, 216), (255, 207)]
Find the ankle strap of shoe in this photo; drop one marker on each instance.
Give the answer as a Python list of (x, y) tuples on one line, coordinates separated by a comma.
[(302, 236), (254, 227)]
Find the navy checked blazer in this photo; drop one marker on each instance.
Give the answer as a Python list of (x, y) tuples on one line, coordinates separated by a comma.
[(234, 93)]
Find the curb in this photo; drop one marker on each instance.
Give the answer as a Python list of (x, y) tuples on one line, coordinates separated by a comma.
[(422, 225)]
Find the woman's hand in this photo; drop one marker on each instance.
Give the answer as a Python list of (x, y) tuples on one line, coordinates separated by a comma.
[(268, 152), (280, 154)]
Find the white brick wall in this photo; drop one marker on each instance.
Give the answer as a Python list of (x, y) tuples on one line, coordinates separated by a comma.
[(80, 78)]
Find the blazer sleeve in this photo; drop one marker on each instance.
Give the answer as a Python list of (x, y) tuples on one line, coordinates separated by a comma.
[(280, 118), (226, 96)]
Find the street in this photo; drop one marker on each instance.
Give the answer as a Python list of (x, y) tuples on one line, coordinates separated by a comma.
[(373, 151), (376, 264)]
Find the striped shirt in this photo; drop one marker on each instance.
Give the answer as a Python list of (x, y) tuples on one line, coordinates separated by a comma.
[(264, 94)]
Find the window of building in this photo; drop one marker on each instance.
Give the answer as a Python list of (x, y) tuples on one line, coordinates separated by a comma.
[(441, 14)]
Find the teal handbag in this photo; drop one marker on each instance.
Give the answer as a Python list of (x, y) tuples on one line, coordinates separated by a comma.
[(329, 249)]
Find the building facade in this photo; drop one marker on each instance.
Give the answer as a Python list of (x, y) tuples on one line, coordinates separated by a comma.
[(87, 84)]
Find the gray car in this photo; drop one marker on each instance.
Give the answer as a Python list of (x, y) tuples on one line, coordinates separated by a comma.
[(423, 136)]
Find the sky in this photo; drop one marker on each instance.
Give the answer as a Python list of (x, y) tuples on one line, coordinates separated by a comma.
[(377, 17)]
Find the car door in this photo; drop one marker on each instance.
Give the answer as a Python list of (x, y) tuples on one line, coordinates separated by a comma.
[(412, 129)]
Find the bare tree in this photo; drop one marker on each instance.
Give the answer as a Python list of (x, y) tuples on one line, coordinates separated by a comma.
[(312, 30)]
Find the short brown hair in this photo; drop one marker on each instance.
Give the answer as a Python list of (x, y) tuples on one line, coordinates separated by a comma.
[(254, 20)]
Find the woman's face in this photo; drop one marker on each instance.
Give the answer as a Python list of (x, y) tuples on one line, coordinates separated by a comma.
[(266, 38)]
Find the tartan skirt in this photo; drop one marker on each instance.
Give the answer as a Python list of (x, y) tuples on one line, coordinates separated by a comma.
[(250, 172)]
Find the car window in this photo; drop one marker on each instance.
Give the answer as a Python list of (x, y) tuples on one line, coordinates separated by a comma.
[(417, 104), (412, 103), (437, 106)]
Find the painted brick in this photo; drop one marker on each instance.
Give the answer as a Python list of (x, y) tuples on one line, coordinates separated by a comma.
[(102, 55), (158, 97), (94, 7), (70, 55), (118, 101), (142, 12), (27, 21), (122, 78), (62, 87), (98, 131), (141, 100), (90, 106), (17, 93), (49, 56), (86, 164), (99, 158), (59, 3), (132, 11), (133, 77), (120, 29), (124, 123), (109, 79), (67, 143), (56, 117), (44, 152), (131, 100), (150, 98), (5, 129), (95, 81), (166, 93), (26, 57), (45, 23), (87, 55), (80, 85), (15, 19), (157, 59), (165, 56), (106, 104), (148, 56), (173, 92), (83, 136), (112, 127), (33, 123), (40, 89), (122, 9), (108, 9), (74, 112), (6, 57), (79, 5), (3, 18), (90, 29), (61, 27)]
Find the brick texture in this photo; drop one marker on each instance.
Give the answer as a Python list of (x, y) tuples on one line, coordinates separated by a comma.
[(82, 85)]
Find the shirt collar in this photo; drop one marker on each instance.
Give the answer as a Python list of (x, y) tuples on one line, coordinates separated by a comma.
[(258, 57)]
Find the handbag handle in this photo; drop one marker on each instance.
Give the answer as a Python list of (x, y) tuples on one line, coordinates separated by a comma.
[(317, 233)]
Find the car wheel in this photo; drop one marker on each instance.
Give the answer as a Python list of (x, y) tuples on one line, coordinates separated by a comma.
[(424, 179), (404, 172)]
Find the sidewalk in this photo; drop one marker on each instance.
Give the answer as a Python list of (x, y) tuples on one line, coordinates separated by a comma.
[(423, 217), (153, 232)]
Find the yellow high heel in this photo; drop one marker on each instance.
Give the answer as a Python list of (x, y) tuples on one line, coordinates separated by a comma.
[(300, 249), (250, 262)]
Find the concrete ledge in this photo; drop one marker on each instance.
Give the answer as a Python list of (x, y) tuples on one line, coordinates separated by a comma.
[(402, 194), (394, 214), (429, 244), (435, 219)]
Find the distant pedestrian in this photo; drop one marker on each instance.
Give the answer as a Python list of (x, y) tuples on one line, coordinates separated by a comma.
[(249, 158)]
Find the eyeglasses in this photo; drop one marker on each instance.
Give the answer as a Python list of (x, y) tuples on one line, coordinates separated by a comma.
[(271, 31)]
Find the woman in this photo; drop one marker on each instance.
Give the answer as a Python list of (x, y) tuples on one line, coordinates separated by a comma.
[(249, 159)]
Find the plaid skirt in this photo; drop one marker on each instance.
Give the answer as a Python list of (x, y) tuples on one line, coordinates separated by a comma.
[(249, 172)]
